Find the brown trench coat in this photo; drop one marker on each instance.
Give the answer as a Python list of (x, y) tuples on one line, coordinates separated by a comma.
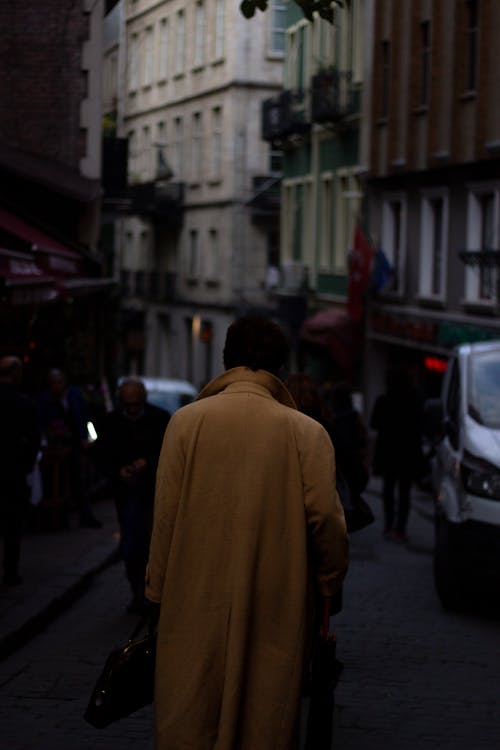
[(245, 484)]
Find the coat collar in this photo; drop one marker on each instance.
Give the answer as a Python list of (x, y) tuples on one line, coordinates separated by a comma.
[(259, 379)]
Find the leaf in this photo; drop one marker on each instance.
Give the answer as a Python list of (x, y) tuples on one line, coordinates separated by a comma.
[(247, 8)]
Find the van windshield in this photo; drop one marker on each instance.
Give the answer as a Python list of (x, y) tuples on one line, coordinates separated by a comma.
[(484, 390), (171, 401)]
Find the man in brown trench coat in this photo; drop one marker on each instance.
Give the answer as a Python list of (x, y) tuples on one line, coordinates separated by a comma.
[(245, 506)]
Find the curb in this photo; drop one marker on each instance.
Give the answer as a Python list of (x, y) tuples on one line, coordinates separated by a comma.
[(33, 624)]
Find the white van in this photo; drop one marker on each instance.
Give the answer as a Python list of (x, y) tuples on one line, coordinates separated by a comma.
[(466, 475), (167, 393)]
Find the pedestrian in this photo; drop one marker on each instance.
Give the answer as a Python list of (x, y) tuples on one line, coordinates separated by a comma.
[(19, 444), (397, 420), (246, 519), (127, 450), (63, 416), (349, 438)]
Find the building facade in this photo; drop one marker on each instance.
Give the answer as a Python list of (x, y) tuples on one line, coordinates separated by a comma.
[(320, 122), (50, 188), (434, 184), (190, 253)]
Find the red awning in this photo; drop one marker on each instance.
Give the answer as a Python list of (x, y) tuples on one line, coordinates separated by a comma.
[(24, 280), (33, 236), (336, 332)]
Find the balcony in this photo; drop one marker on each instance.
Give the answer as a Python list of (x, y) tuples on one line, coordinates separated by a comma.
[(285, 116), (161, 200), (333, 97), (150, 286)]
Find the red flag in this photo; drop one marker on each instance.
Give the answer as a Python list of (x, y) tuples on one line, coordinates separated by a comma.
[(360, 265)]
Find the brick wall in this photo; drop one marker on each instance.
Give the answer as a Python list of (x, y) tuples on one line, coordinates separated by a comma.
[(42, 80), (457, 124)]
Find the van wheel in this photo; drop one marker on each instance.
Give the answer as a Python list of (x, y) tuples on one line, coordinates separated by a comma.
[(448, 578)]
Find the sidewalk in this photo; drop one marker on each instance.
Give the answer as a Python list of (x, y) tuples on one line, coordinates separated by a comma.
[(56, 567)]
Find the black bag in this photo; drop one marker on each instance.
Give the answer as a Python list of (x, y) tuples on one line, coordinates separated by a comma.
[(357, 512), (126, 683)]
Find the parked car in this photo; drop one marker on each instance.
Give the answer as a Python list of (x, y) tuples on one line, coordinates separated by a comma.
[(168, 393), (466, 475)]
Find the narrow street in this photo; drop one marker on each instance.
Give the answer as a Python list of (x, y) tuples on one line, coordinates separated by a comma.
[(414, 677)]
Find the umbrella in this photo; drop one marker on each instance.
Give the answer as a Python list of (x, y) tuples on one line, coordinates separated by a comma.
[(325, 673), (336, 332)]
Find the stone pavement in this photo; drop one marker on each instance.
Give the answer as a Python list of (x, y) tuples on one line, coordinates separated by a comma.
[(56, 567)]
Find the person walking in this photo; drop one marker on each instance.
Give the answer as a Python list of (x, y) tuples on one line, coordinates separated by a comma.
[(397, 420), (127, 450), (349, 438), (63, 416), (246, 520), (19, 445)]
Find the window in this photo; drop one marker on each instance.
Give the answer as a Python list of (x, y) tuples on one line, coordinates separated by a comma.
[(393, 233), (357, 41), (297, 221), (146, 152), (179, 51), (326, 222), (213, 257), (219, 29), (133, 71), (324, 43), (433, 242), (193, 264), (163, 52), (148, 57), (425, 37), (296, 70), (278, 28), (162, 167), (386, 78), (177, 147), (199, 51), (132, 155), (347, 207), (196, 146), (472, 46), (483, 234), (216, 142)]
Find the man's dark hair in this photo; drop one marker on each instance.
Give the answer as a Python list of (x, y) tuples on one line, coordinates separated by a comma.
[(256, 342)]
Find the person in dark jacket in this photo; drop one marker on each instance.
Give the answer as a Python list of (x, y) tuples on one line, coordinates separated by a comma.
[(63, 416), (349, 437), (19, 445), (127, 451), (397, 419)]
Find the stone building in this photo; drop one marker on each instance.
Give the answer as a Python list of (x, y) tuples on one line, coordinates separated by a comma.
[(434, 184), (195, 245)]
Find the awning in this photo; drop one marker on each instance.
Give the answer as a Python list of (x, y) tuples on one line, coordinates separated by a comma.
[(51, 255), (335, 331), (37, 239), (83, 285), (23, 280)]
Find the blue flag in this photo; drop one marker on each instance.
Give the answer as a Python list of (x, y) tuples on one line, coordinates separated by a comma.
[(382, 272)]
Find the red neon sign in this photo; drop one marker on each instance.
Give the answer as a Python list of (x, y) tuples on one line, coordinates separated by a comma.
[(435, 364)]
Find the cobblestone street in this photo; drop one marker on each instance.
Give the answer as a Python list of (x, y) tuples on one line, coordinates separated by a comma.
[(414, 677)]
